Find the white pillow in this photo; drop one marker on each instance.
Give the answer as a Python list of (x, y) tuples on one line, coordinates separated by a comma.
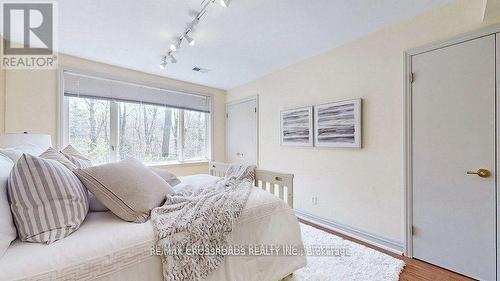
[(26, 148), (13, 153), (8, 231)]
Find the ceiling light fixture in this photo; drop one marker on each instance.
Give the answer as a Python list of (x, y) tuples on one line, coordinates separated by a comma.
[(225, 3), (176, 45), (163, 64), (172, 58), (189, 39)]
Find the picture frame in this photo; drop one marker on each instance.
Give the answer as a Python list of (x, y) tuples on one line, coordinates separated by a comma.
[(338, 124), (296, 127)]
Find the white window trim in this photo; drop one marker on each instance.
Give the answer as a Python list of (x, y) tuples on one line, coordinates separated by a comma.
[(177, 163), (114, 132), (63, 124), (180, 147)]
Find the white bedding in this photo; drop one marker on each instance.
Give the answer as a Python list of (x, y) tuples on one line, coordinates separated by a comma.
[(108, 248)]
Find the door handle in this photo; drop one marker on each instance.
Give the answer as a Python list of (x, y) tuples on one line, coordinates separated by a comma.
[(481, 173), (239, 154)]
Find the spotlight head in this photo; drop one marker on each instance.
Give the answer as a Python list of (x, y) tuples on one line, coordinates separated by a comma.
[(172, 58), (163, 64), (176, 45), (189, 39), (224, 3)]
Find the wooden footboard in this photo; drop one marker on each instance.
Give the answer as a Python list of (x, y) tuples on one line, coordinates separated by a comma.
[(278, 184)]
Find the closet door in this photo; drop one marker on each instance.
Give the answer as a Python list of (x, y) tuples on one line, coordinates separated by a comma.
[(453, 116), (241, 124)]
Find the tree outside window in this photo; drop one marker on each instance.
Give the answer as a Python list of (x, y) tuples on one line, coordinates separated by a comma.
[(150, 133)]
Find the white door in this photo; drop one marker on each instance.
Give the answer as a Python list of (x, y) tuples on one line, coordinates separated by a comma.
[(242, 132), (453, 113)]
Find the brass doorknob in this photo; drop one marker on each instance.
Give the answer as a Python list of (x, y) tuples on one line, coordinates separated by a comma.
[(481, 172)]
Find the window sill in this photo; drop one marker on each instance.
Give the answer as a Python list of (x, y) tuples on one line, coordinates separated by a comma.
[(177, 163)]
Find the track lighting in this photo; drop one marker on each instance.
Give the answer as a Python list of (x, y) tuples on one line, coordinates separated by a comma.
[(176, 45), (172, 58), (224, 3), (193, 24), (189, 39), (163, 65)]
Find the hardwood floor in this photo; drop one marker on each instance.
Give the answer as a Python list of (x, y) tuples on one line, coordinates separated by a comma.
[(419, 270), (415, 270)]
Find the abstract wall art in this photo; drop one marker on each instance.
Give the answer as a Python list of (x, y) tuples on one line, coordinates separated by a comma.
[(338, 124), (297, 127)]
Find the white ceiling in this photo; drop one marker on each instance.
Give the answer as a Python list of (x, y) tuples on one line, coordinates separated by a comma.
[(238, 44)]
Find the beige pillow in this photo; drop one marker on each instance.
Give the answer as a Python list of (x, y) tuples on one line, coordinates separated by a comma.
[(167, 176), (171, 179), (128, 188)]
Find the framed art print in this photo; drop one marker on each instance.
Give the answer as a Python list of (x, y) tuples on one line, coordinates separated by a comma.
[(338, 124), (297, 127)]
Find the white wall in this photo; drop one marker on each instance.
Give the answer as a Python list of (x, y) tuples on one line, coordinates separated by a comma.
[(361, 188), (2, 97), (31, 103)]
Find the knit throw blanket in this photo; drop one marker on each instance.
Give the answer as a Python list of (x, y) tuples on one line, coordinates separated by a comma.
[(200, 218)]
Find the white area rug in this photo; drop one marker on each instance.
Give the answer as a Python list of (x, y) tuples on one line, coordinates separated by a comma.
[(360, 262)]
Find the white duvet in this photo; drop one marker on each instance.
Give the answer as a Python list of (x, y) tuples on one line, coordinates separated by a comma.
[(107, 248)]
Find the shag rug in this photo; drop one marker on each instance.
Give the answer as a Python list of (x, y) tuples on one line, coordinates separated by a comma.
[(356, 263)]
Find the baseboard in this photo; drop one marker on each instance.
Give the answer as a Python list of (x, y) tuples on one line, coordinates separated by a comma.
[(373, 239)]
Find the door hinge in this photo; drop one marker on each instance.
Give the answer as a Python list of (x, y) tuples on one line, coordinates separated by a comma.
[(255, 108), (413, 230), (412, 77), (227, 115)]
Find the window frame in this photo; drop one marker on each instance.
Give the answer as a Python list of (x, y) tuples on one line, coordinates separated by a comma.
[(63, 121)]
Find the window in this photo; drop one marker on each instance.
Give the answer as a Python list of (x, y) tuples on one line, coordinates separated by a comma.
[(89, 129), (108, 129), (148, 132), (195, 135)]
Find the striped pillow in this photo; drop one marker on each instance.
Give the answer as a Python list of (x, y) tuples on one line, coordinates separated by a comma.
[(76, 157), (53, 154), (48, 202)]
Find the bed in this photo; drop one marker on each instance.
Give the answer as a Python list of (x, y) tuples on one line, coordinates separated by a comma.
[(108, 248)]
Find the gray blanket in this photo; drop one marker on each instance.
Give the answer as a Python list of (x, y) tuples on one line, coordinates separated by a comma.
[(197, 219)]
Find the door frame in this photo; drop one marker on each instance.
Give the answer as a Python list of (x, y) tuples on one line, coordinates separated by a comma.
[(408, 135), (247, 99)]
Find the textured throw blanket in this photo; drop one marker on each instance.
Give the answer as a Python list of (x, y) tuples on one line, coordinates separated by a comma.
[(200, 218)]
